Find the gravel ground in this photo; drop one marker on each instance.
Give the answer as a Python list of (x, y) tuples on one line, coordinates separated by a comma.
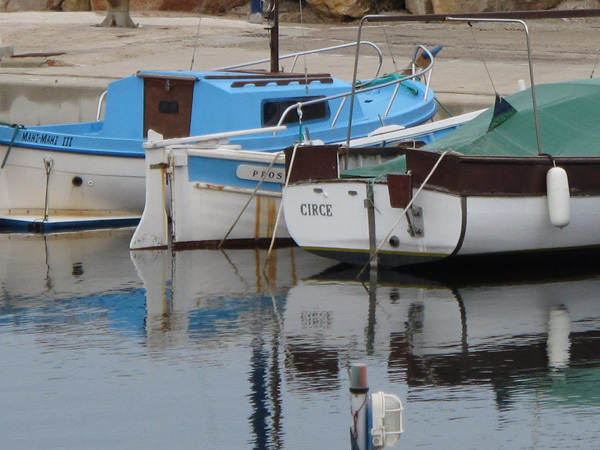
[(71, 45)]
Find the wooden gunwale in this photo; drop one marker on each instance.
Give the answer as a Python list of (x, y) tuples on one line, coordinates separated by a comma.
[(501, 175)]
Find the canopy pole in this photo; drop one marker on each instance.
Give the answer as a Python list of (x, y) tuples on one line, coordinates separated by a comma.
[(511, 16), (529, 60)]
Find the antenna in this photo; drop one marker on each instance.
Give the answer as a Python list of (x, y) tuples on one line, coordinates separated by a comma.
[(196, 43)]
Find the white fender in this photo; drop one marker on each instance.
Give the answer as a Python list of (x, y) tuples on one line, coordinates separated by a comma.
[(557, 187)]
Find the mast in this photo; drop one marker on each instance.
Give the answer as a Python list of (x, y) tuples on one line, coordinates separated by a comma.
[(273, 18)]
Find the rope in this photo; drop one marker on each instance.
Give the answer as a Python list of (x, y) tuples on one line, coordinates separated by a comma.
[(250, 199), (387, 40), (595, 65), (287, 180), (354, 430), (48, 164), (384, 240), (437, 100), (300, 114), (16, 127), (482, 58)]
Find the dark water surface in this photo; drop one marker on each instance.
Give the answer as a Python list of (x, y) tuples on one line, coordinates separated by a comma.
[(103, 348)]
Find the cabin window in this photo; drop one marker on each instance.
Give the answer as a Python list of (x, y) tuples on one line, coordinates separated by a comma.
[(274, 109), (168, 107)]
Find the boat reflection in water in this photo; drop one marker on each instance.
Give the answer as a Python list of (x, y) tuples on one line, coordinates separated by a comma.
[(68, 264), (231, 349), (70, 279), (202, 292), (497, 335), (517, 353), (437, 331)]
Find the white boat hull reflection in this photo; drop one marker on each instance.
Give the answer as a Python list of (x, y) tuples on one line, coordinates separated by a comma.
[(432, 333), (65, 265)]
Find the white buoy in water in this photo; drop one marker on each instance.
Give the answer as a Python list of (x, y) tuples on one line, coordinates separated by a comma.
[(557, 187)]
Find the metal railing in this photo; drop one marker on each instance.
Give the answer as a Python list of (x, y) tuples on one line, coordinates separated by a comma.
[(416, 73), (101, 102), (295, 56)]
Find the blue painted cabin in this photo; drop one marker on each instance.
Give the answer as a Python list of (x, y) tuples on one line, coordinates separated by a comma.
[(181, 104)]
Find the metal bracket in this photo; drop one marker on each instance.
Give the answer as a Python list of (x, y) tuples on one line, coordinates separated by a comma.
[(48, 164), (416, 225)]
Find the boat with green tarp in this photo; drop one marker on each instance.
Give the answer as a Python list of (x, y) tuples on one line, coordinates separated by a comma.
[(506, 182)]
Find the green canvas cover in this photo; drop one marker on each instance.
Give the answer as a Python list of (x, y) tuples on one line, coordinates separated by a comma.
[(569, 116), (396, 165)]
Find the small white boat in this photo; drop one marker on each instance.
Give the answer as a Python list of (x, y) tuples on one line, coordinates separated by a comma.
[(521, 177), (484, 189)]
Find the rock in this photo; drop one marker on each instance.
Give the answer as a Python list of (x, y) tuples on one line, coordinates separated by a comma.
[(339, 9), (342, 8), (25, 5), (6, 51), (579, 4), (419, 7), (202, 6), (76, 5), (464, 6), (475, 6)]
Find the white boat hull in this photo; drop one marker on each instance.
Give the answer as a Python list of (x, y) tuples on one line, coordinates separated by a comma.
[(451, 224), (78, 185), (214, 196), (204, 215)]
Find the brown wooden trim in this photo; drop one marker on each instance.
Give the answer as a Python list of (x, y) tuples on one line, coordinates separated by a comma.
[(490, 176), (324, 162), (174, 120), (266, 75), (281, 79), (165, 76), (459, 174), (315, 162), (400, 189), (279, 82)]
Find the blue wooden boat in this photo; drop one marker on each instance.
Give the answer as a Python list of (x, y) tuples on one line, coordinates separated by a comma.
[(92, 174)]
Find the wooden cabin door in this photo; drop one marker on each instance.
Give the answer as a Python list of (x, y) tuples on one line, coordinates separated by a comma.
[(168, 105)]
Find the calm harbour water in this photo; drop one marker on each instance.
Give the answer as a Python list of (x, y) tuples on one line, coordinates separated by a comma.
[(103, 348)]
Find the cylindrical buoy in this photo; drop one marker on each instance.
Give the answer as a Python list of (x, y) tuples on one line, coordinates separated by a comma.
[(557, 189), (358, 406)]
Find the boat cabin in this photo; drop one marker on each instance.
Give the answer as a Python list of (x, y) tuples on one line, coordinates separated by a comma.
[(179, 104)]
